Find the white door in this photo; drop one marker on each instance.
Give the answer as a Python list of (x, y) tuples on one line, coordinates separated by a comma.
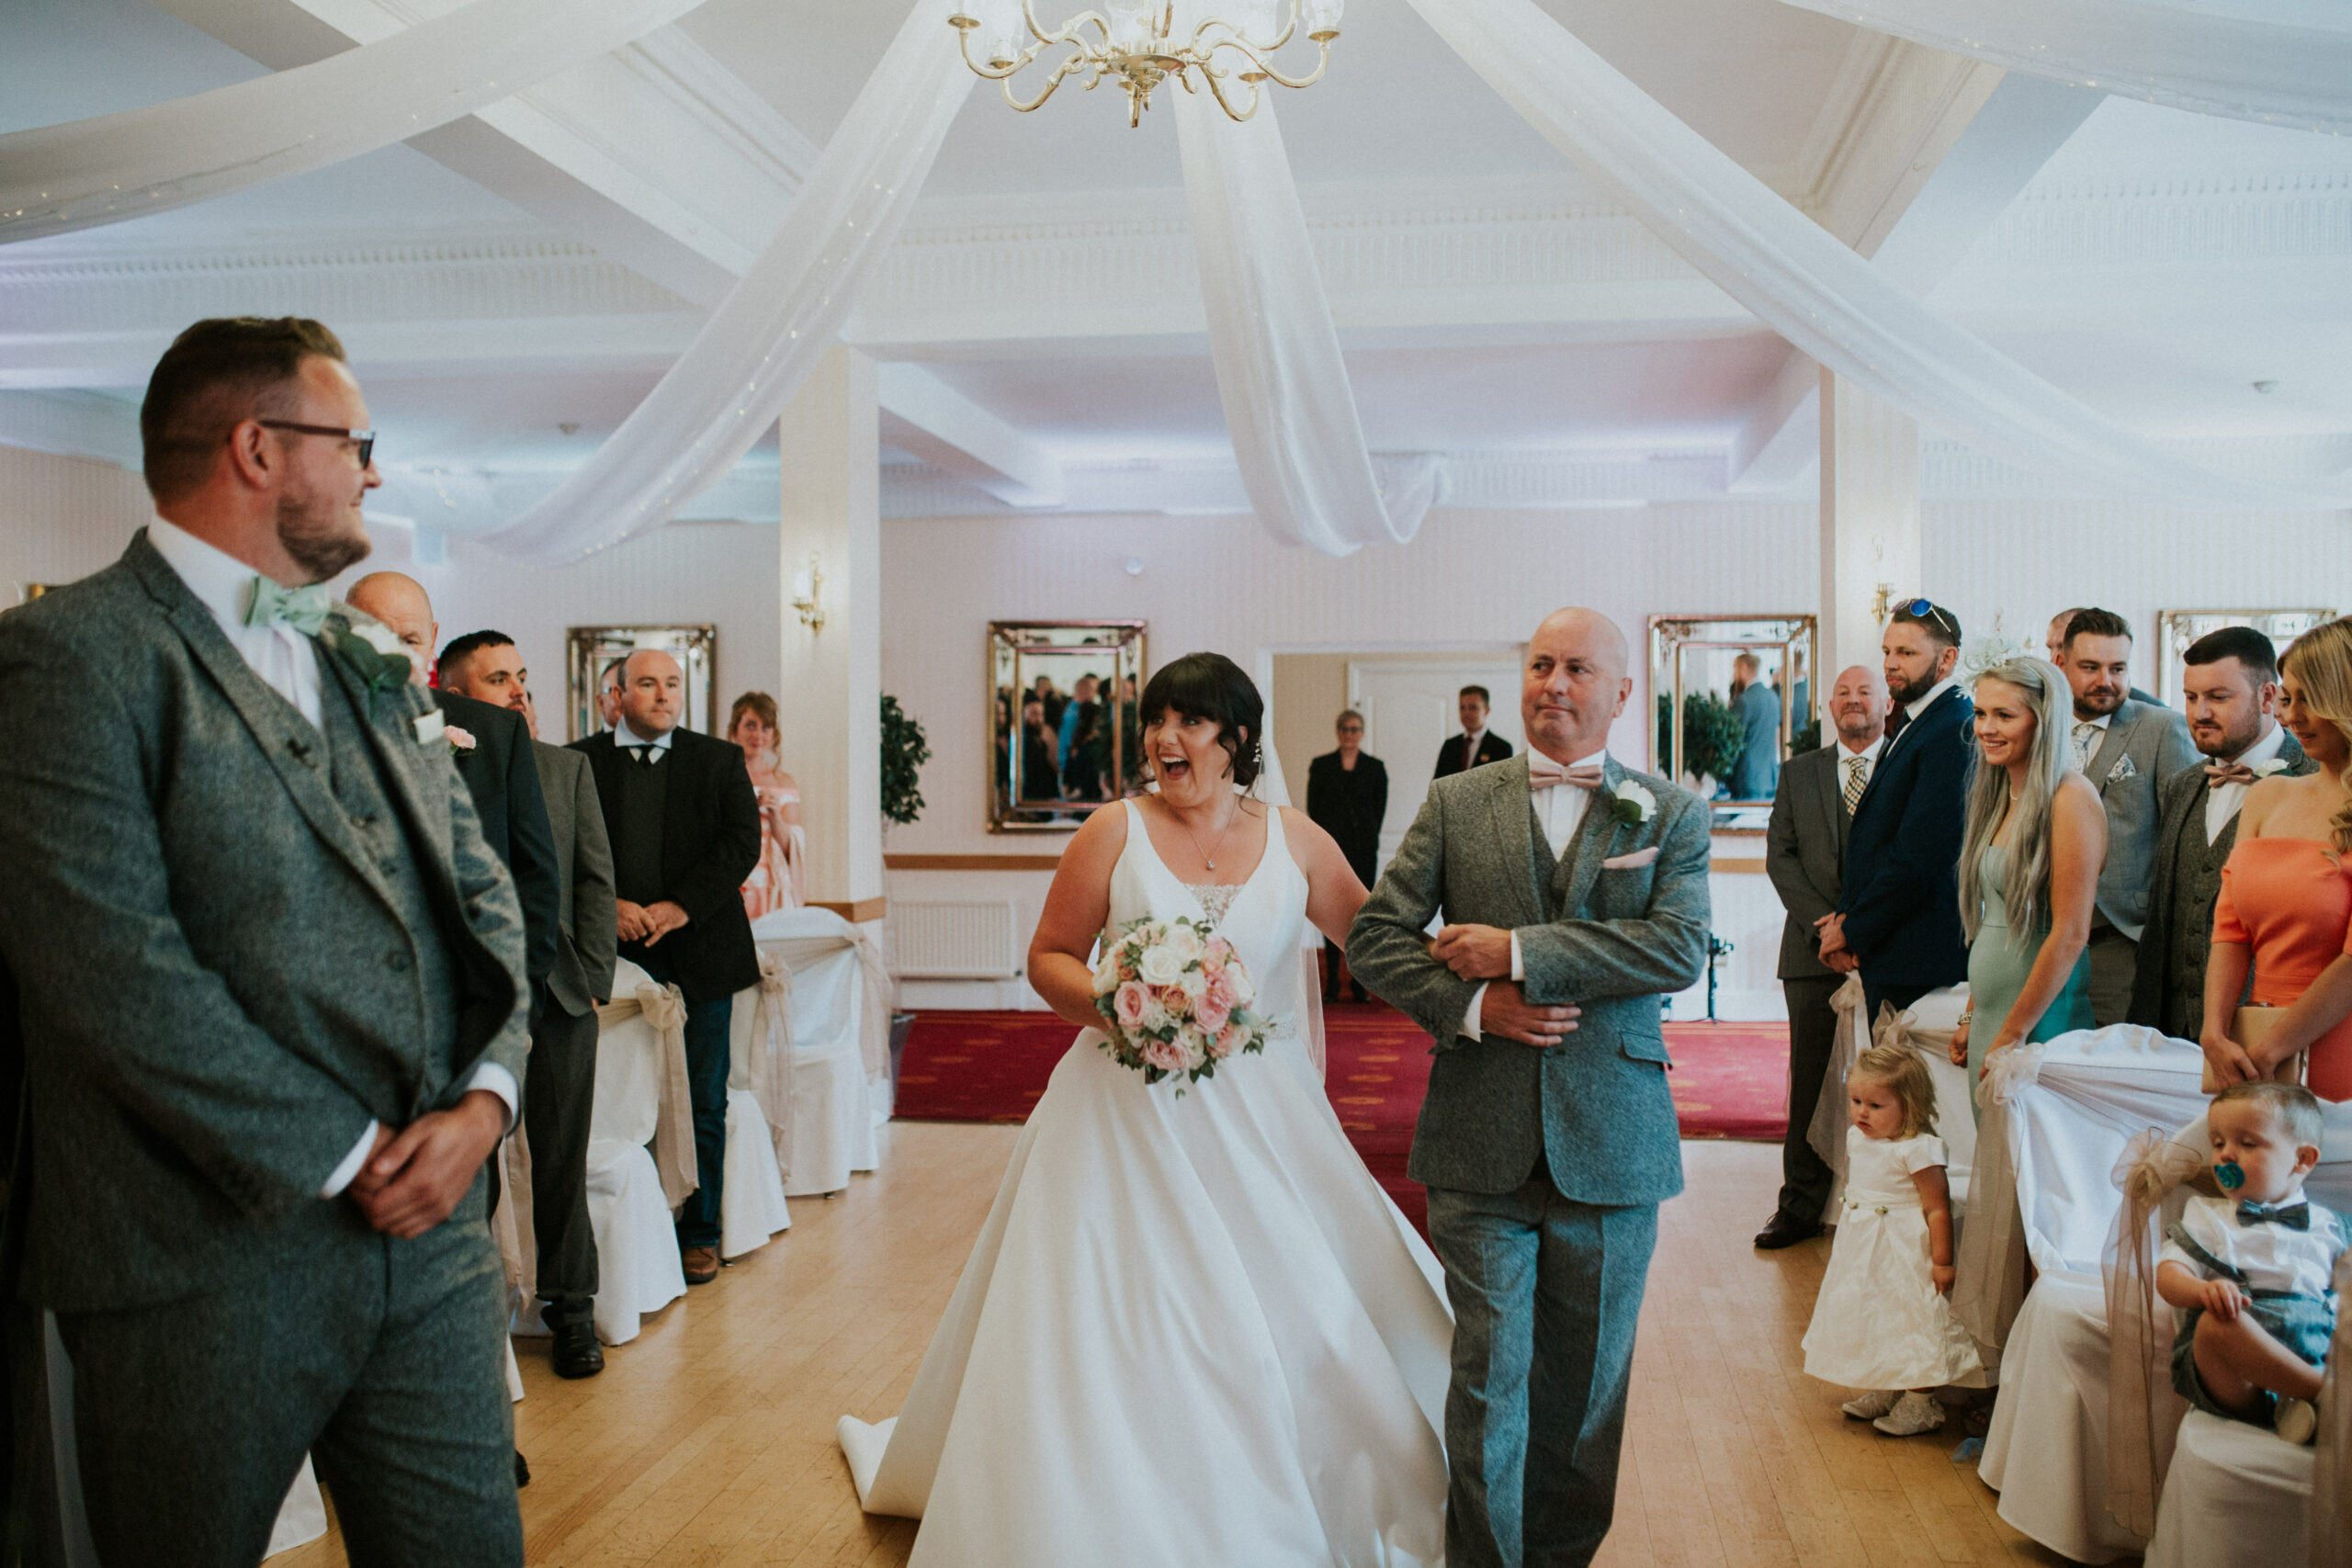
[(1409, 712)]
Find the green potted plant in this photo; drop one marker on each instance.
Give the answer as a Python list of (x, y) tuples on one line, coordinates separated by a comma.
[(904, 751)]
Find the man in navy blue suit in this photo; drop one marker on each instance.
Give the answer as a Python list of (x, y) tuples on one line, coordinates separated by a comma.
[(1898, 918)]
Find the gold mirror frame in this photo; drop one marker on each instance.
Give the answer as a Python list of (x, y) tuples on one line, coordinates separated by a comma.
[(2176, 630), (1021, 652), (588, 649), (1671, 637)]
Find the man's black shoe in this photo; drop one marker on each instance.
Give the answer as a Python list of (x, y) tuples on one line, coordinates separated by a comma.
[(1786, 1230), (577, 1354), (522, 1472)]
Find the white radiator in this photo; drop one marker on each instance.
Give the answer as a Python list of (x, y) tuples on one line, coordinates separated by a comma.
[(940, 941)]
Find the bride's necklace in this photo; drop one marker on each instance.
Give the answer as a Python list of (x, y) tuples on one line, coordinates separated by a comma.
[(1210, 854)]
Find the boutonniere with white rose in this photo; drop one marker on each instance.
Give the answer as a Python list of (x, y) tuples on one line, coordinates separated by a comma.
[(460, 740), (371, 649), (2267, 769), (1630, 805)]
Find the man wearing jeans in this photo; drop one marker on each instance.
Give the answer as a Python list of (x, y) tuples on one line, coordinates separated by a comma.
[(684, 827)]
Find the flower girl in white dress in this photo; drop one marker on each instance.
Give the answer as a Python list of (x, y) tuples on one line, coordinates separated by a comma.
[(1192, 1330), (1881, 1321)]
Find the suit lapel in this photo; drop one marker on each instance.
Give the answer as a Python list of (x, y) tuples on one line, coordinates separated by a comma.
[(1515, 834), (295, 750), (1581, 866), (1828, 797), (398, 760)]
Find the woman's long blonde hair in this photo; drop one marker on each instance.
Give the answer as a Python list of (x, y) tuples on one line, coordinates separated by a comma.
[(2321, 662), (2025, 890)]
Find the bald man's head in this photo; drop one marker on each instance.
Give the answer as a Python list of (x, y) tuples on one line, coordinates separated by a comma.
[(1574, 683), (653, 693), (401, 604), (1858, 705)]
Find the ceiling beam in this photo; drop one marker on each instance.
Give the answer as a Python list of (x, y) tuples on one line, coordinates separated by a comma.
[(925, 417)]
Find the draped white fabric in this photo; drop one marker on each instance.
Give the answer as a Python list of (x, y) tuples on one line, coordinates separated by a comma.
[(56, 179), (754, 351), (1288, 405), (1823, 297), (2277, 62)]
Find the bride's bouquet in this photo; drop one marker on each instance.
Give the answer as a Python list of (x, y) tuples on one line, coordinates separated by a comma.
[(1174, 998)]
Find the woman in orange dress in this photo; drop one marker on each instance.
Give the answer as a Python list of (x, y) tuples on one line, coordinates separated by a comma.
[(778, 881), (2285, 910)]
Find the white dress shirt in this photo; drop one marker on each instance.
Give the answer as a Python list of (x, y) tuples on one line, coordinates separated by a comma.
[(1561, 809), (2273, 1257), (623, 737), (2221, 803), (288, 663)]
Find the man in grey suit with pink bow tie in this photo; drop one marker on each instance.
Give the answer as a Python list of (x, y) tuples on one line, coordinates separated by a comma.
[(1575, 895)]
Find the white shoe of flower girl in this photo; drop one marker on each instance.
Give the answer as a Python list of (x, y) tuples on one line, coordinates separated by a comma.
[(1913, 1414), (1873, 1405)]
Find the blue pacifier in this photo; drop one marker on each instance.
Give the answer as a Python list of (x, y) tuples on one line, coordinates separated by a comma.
[(2230, 1174)]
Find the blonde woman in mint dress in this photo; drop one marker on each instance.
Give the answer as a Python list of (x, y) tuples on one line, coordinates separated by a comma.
[(2029, 863)]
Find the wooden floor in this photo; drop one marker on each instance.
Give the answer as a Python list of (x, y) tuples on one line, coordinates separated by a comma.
[(709, 1440)]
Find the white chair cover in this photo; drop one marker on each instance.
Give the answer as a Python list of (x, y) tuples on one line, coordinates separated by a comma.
[(833, 1111), (1927, 1026), (2058, 1117), (2233, 1489), (636, 1242), (750, 1205)]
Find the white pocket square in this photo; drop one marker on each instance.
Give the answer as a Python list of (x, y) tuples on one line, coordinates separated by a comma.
[(2122, 769), (429, 727), (1634, 861)]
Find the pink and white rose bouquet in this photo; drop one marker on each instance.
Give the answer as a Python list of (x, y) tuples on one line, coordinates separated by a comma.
[(1174, 998)]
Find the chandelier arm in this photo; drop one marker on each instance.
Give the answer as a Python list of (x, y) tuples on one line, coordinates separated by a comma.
[(1257, 61), (1020, 61), (1216, 80), (1053, 85)]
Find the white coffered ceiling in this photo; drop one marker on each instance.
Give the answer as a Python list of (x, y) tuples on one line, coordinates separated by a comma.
[(507, 276)]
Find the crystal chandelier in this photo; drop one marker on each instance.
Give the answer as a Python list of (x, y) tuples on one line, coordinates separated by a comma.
[(1137, 44)]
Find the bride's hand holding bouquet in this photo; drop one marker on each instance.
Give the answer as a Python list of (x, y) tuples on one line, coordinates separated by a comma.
[(1174, 998)]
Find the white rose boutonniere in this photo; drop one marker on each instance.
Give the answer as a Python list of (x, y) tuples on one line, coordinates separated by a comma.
[(1631, 804), (2265, 769), (460, 740)]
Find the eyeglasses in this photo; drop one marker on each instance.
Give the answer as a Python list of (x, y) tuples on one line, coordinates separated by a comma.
[(364, 438), (1922, 609)]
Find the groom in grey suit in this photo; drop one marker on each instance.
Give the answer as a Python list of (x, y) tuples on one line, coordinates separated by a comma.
[(1575, 895), (271, 1003)]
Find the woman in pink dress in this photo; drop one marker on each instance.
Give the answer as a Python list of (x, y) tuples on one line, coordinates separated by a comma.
[(2285, 909), (778, 881)]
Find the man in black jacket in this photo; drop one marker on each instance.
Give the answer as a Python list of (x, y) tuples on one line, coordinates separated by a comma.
[(1899, 910), (490, 748), (684, 827), (1477, 745)]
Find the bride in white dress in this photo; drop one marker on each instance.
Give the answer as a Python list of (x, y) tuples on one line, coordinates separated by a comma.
[(1192, 1331)]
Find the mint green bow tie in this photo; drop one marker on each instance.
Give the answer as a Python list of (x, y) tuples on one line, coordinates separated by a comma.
[(304, 609)]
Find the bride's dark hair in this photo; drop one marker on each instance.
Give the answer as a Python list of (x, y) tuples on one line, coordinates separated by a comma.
[(1212, 687)]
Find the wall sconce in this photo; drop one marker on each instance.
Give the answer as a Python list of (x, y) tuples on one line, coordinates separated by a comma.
[(808, 585)]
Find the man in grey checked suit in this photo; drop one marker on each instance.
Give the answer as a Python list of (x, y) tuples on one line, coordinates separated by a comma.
[(561, 1091), (272, 1002), (2126, 749), (1576, 893), (1804, 853), (2229, 683)]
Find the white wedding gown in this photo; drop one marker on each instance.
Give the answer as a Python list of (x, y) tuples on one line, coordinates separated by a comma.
[(1192, 1331)]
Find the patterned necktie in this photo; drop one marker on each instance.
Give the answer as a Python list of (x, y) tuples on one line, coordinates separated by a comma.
[(2086, 741), (2294, 1216), (1856, 776), (304, 609)]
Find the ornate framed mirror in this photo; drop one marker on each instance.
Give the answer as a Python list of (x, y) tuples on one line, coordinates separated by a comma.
[(1734, 698), (590, 651), (1059, 748)]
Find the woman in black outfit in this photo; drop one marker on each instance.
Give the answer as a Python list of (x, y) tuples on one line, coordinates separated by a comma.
[(1347, 796)]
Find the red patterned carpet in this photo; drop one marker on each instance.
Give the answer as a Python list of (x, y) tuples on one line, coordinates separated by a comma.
[(1730, 1080)]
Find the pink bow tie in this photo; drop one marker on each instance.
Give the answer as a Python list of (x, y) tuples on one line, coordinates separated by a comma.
[(1544, 774), (2216, 775)]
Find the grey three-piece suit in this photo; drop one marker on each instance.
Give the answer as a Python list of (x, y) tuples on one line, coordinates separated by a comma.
[(561, 1093), (238, 938), (2143, 746), (1804, 853), (2168, 982), (1544, 1167)]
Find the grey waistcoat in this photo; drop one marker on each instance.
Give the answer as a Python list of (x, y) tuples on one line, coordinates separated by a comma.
[(2196, 884)]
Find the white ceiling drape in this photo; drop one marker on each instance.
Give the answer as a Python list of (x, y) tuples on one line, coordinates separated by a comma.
[(1288, 404), (756, 349), (2277, 62), (1802, 281), (58, 178)]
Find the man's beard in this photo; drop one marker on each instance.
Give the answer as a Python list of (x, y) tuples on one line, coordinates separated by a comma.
[(311, 542), (1911, 691), (2231, 744), (2102, 702)]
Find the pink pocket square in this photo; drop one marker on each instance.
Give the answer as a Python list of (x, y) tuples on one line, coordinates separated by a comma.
[(1634, 861)]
